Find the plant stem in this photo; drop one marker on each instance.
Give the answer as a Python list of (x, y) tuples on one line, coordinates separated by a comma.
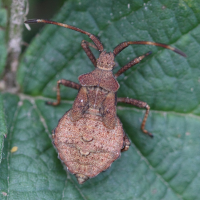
[(17, 14)]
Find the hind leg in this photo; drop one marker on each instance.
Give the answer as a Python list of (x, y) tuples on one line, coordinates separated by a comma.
[(139, 104), (127, 143)]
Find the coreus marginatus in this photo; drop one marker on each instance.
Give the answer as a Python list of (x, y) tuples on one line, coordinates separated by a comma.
[(90, 137)]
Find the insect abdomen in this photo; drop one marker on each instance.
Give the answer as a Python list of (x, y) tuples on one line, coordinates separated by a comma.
[(86, 146)]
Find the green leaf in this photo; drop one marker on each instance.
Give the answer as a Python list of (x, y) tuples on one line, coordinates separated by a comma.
[(3, 128), (3, 50), (165, 167)]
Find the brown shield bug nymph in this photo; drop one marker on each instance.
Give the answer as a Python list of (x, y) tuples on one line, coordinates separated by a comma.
[(90, 137)]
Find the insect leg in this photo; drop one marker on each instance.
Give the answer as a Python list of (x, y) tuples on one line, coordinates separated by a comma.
[(139, 104), (131, 64), (127, 143), (89, 53), (67, 84)]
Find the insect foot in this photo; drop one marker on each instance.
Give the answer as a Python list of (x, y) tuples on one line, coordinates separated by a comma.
[(90, 137)]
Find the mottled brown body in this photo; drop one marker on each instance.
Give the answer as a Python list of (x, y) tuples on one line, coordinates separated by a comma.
[(90, 137)]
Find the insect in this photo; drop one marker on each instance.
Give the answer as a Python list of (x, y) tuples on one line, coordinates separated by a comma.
[(90, 137)]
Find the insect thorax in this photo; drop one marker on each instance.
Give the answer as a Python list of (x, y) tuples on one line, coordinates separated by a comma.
[(97, 101), (96, 96)]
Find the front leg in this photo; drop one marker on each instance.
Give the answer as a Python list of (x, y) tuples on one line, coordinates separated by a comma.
[(67, 84), (139, 104), (85, 45), (131, 64)]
